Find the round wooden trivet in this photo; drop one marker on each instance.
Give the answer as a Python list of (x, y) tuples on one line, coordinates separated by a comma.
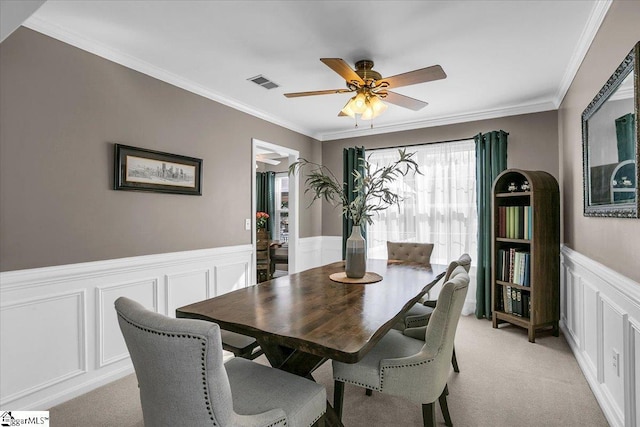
[(368, 278)]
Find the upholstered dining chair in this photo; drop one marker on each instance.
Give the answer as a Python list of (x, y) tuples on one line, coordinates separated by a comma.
[(414, 368), (183, 381), (417, 253), (418, 315)]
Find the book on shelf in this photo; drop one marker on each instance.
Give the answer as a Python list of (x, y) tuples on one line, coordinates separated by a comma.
[(514, 266), (514, 222), (526, 307), (512, 255), (514, 301), (502, 221)]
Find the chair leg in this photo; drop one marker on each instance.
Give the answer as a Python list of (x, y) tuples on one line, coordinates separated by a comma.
[(369, 392), (454, 361), (338, 396), (428, 415), (444, 407)]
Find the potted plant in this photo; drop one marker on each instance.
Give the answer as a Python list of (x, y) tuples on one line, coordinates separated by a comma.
[(372, 194)]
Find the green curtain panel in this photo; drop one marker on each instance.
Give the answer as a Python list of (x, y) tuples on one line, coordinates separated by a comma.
[(352, 159), (491, 159), (626, 135), (266, 197)]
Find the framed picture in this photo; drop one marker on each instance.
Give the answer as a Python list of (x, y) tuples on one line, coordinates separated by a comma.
[(138, 169)]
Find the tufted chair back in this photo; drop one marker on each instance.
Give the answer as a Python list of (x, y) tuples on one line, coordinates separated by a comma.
[(179, 364), (423, 376), (411, 252), (464, 261)]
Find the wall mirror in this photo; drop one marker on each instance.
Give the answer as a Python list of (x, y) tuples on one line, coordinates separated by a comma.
[(610, 129)]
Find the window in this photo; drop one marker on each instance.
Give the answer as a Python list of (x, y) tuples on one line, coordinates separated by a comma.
[(438, 206), (281, 220)]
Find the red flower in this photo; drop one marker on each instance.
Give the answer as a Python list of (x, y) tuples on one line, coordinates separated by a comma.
[(261, 219)]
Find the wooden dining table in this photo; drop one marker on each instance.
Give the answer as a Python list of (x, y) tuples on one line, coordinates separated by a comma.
[(305, 318)]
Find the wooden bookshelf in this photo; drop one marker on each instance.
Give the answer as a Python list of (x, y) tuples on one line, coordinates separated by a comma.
[(535, 235)]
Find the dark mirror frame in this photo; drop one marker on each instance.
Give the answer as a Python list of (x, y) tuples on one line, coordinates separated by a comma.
[(631, 64)]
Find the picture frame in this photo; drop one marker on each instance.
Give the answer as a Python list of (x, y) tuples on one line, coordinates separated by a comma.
[(140, 169)]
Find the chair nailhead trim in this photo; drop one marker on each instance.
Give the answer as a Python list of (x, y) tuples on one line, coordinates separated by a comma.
[(357, 383), (317, 418), (408, 365), (203, 358)]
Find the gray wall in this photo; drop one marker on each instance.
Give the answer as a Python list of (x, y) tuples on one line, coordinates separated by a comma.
[(61, 109), (611, 241), (532, 145)]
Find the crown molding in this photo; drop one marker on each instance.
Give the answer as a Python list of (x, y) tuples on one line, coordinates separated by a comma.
[(441, 121), (595, 20), (89, 45), (598, 12)]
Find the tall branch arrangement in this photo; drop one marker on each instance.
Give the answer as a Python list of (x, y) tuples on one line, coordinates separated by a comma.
[(371, 188)]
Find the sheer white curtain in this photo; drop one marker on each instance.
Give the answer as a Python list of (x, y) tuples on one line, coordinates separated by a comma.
[(438, 207)]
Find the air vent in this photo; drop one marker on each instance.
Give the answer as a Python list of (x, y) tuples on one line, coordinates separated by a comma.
[(264, 82)]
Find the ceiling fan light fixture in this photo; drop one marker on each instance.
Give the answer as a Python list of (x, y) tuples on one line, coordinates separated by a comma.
[(347, 110), (375, 107), (359, 103)]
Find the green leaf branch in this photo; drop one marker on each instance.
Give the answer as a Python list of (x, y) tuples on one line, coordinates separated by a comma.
[(371, 188)]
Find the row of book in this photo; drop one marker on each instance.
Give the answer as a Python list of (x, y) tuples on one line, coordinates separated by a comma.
[(515, 222), (514, 266), (514, 301)]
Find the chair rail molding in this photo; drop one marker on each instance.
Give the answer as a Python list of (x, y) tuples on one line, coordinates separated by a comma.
[(60, 335), (600, 318)]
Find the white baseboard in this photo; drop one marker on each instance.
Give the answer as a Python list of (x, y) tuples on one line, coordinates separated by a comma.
[(600, 317), (60, 336)]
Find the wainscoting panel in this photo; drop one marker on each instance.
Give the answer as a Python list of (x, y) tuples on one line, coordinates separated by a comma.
[(633, 388), (230, 277), (331, 249), (316, 251), (185, 288), (60, 335), (50, 345), (590, 323), (573, 306), (601, 320), (613, 322), (111, 345)]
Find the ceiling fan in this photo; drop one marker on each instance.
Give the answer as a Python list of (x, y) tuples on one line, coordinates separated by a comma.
[(371, 87)]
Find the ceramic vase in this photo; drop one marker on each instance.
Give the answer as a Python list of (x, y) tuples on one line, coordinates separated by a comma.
[(356, 262)]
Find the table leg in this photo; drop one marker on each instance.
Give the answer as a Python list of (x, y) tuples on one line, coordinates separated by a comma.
[(299, 363)]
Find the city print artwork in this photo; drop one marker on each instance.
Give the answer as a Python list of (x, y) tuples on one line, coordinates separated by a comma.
[(139, 169)]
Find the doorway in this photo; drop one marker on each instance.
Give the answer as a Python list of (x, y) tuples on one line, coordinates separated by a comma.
[(283, 240)]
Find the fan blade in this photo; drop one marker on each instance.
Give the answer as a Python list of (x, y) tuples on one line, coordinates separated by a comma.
[(339, 66), (316, 92), (422, 75), (404, 101)]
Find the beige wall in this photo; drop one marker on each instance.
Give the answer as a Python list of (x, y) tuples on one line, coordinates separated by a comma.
[(532, 145), (61, 109), (611, 241)]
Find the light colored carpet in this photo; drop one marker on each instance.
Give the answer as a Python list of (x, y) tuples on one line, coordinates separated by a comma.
[(504, 381)]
